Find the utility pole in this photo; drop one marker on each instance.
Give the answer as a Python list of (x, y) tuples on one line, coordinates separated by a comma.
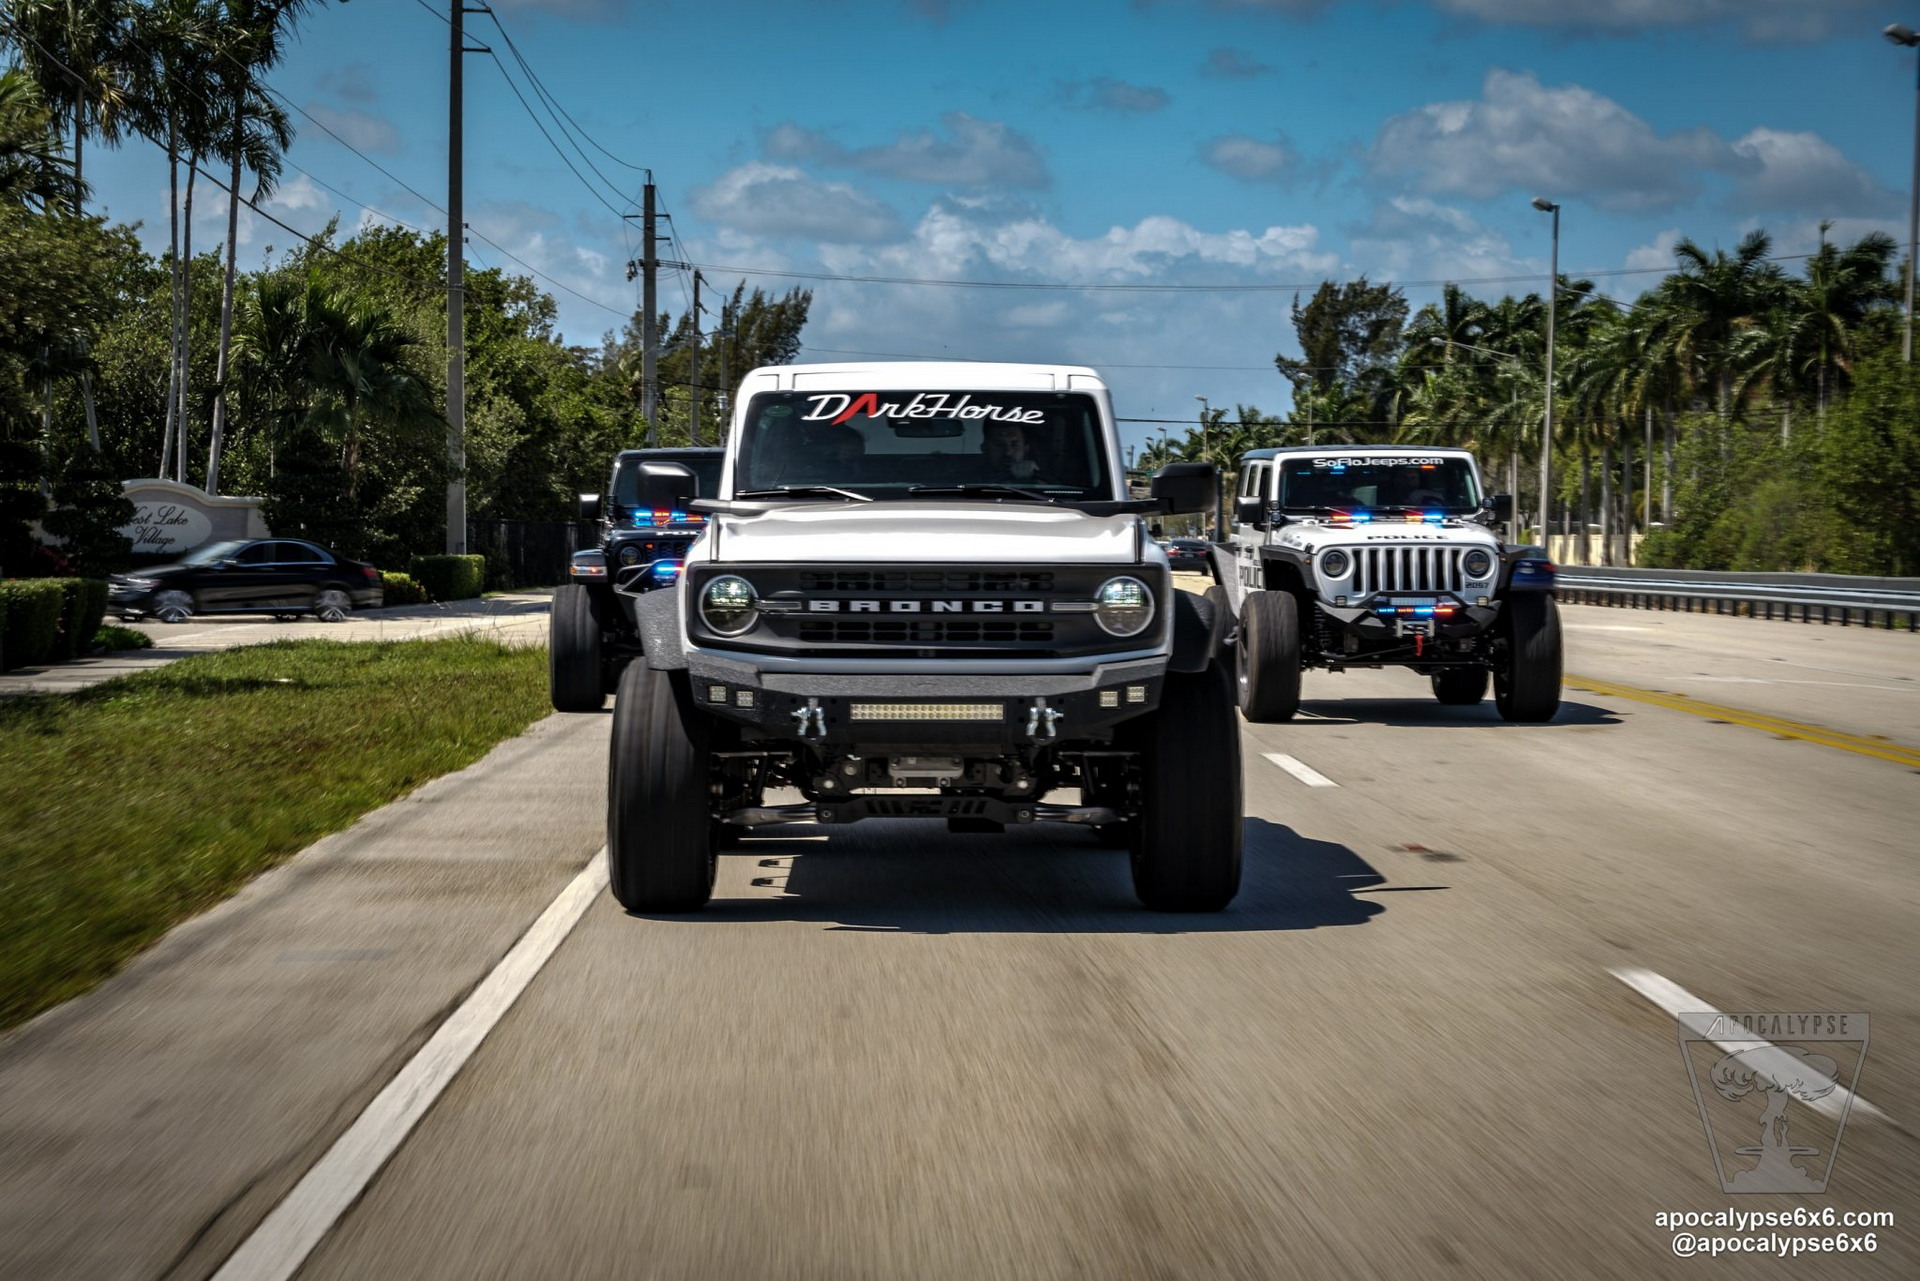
[(649, 336), (457, 287), (693, 375), (1546, 427)]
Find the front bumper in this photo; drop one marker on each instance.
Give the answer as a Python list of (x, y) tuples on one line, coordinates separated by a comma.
[(987, 713), (1394, 621)]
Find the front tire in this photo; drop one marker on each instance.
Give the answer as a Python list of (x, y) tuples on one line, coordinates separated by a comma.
[(660, 837), (1267, 656), (1526, 677), (1460, 686), (573, 651), (1186, 841)]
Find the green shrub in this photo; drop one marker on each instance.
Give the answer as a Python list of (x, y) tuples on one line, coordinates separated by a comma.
[(402, 589), (83, 603), (33, 619), (112, 638), (449, 578)]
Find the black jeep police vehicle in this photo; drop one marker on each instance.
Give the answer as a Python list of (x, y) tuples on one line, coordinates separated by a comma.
[(591, 635)]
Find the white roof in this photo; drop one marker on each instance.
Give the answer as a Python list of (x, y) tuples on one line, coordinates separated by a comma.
[(958, 375)]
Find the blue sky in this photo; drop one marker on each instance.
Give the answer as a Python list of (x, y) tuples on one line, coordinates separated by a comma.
[(1098, 142)]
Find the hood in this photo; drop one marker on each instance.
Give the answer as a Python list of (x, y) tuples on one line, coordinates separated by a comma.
[(1452, 533), (927, 531), (152, 571)]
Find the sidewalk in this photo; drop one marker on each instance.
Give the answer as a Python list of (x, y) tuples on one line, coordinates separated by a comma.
[(517, 617)]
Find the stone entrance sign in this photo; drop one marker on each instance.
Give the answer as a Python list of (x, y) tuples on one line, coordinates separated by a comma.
[(172, 519)]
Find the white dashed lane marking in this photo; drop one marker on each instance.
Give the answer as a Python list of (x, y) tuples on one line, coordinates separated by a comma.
[(1676, 1000), (1305, 773)]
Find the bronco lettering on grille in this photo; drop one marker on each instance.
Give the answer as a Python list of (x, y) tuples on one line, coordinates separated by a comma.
[(926, 606)]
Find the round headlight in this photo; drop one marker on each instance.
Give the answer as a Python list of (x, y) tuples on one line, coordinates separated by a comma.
[(1334, 564), (1123, 606), (1478, 562), (630, 555), (727, 604)]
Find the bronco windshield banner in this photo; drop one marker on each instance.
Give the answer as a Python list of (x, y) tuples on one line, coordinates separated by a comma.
[(839, 406)]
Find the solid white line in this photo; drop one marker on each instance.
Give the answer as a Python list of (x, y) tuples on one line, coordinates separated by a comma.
[(1676, 1000), (1304, 772), (281, 1243)]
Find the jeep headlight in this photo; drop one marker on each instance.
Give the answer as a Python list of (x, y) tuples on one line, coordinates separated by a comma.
[(728, 605), (1478, 562), (1334, 564), (1123, 606), (630, 554)]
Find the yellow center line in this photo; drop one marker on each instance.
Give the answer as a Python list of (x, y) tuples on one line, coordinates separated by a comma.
[(1857, 743)]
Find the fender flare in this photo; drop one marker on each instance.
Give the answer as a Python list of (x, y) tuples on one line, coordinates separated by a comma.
[(1193, 633), (661, 636)]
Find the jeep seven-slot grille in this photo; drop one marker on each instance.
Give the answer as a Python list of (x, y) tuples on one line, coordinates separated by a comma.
[(1414, 567), (920, 631)]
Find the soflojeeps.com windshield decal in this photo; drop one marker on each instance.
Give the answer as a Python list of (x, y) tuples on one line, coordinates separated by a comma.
[(1378, 462), (840, 406)]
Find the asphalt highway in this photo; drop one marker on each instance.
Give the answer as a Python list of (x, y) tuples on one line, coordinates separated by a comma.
[(1426, 1041)]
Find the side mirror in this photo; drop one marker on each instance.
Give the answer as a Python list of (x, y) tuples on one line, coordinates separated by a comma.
[(1250, 511), (1502, 505), (666, 486), (589, 507), (1183, 488)]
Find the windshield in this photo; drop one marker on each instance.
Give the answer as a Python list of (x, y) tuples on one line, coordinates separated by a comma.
[(704, 466), (212, 552), (892, 443), (1336, 482)]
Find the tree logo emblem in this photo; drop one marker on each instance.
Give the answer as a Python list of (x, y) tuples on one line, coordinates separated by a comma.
[(1774, 1092)]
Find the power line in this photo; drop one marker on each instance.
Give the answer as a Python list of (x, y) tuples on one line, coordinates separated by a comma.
[(531, 115), (541, 87)]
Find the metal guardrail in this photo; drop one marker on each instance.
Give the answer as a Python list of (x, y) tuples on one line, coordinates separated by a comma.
[(1808, 598)]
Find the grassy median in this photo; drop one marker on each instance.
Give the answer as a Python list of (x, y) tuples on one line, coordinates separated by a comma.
[(129, 807)]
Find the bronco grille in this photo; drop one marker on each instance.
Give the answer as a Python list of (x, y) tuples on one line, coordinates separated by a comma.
[(937, 581), (881, 631), (1411, 568)]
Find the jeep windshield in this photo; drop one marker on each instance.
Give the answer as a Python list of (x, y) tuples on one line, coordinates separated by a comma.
[(977, 446), (1374, 482)]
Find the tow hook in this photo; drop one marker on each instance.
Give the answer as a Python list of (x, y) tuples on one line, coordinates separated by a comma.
[(1040, 712), (811, 719)]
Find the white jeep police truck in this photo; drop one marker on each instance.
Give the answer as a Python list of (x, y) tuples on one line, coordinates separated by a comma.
[(922, 591), (1384, 556)]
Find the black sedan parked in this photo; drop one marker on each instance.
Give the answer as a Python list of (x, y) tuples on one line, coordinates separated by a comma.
[(1188, 555), (267, 576)]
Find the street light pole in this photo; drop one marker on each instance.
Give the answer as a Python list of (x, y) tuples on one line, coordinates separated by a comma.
[(1206, 444), (1907, 37), (1546, 429)]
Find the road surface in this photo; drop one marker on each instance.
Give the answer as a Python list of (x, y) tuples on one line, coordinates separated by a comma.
[(1427, 1039)]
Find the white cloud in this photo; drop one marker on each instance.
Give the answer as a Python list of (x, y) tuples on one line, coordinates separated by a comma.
[(301, 196), (358, 129), (781, 201), (1783, 21), (1655, 255), (1249, 158), (354, 82), (1799, 172), (974, 153), (1522, 135), (1412, 237)]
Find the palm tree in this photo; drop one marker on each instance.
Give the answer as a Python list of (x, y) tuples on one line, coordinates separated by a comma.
[(76, 51), (1841, 287), (1710, 301), (34, 169), (271, 343), (360, 363), (255, 135)]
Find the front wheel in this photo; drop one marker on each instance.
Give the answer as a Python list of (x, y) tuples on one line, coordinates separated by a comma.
[(1526, 673), (573, 651), (1460, 686), (660, 833), (1186, 841), (1267, 656)]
